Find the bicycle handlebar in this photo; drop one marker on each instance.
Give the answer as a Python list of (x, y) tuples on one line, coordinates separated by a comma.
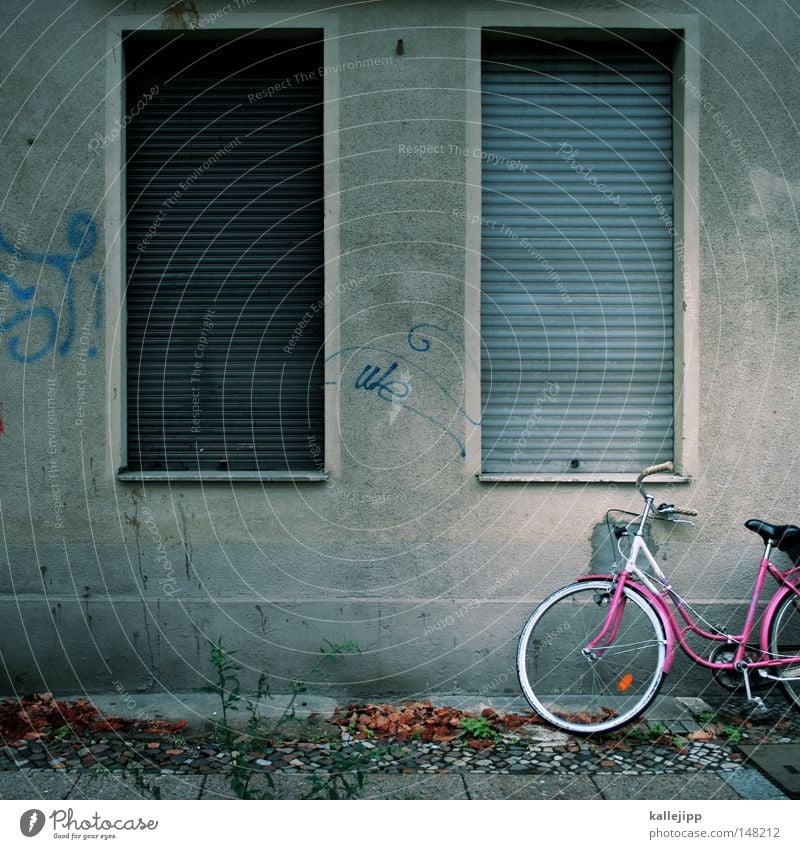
[(667, 509), (654, 470)]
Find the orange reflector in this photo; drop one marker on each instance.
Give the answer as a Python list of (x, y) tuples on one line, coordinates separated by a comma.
[(625, 682)]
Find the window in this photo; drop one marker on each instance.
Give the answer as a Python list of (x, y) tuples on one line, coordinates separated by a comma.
[(224, 255), (576, 257)]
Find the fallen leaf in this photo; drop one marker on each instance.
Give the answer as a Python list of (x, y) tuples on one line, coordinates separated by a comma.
[(701, 735), (439, 737)]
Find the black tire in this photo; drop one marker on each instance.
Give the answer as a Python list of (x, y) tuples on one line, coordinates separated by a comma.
[(784, 641), (583, 693)]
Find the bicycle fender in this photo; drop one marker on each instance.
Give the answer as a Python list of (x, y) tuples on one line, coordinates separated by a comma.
[(769, 612), (657, 603)]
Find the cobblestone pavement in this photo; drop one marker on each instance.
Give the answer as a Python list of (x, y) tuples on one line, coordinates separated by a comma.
[(707, 743)]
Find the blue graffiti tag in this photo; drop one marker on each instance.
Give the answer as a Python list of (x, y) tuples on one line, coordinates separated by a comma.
[(82, 239), (393, 391), (387, 389)]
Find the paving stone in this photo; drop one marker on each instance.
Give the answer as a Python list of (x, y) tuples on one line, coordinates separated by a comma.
[(531, 787), (219, 787), (751, 784), (440, 786), (698, 785), (119, 785), (25, 784)]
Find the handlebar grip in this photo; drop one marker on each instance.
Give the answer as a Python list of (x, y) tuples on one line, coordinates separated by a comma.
[(654, 470), (685, 511)]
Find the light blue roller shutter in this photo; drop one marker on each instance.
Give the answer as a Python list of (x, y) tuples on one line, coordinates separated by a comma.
[(577, 259)]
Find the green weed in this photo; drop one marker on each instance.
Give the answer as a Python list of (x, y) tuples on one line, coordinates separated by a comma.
[(478, 728), (344, 782), (733, 733)]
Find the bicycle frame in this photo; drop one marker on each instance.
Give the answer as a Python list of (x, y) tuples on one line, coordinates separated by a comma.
[(630, 575)]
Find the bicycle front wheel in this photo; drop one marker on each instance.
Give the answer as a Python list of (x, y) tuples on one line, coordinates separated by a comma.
[(590, 691), (784, 641)]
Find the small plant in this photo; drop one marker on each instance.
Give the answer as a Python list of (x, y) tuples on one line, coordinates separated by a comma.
[(733, 733), (133, 771), (344, 782), (478, 728), (336, 785), (62, 733), (96, 773), (707, 716), (144, 787), (227, 687), (636, 732), (657, 729)]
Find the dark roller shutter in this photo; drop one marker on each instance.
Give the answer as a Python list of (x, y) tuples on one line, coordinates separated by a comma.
[(224, 256), (577, 258)]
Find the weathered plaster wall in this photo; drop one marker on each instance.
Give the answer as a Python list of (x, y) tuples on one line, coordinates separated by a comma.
[(403, 550)]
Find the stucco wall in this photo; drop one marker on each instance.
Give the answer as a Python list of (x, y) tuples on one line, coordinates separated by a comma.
[(403, 550)]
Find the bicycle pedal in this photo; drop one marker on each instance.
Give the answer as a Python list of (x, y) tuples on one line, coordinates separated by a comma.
[(760, 706)]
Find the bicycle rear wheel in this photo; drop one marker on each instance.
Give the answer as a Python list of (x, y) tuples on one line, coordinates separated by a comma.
[(784, 640), (590, 692)]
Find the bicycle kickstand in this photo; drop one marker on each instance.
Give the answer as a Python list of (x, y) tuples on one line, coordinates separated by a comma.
[(760, 704)]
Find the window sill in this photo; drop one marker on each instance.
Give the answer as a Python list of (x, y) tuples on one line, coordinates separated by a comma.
[(580, 478), (211, 475)]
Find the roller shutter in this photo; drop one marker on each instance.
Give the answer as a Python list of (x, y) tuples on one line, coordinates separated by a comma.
[(224, 255), (577, 258)]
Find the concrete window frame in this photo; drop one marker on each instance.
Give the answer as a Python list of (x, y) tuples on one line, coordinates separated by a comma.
[(684, 29), (118, 27)]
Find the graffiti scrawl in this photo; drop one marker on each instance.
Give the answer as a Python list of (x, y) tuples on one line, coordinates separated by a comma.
[(386, 385), (82, 240)]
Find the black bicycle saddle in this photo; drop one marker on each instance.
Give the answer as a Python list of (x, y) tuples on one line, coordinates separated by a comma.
[(782, 536)]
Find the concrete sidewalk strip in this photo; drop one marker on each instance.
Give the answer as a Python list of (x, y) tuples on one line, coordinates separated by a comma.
[(218, 787), (530, 787), (395, 787), (424, 787), (202, 710), (117, 785), (26, 784), (701, 785), (743, 783)]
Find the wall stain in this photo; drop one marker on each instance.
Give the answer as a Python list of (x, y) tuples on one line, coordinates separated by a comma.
[(134, 522), (187, 545), (263, 619), (180, 16)]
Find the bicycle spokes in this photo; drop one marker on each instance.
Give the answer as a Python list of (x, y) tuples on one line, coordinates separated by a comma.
[(589, 667)]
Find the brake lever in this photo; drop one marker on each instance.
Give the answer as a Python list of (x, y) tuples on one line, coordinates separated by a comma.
[(667, 513)]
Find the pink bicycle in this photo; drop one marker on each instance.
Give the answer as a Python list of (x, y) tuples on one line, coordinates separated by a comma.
[(593, 655)]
